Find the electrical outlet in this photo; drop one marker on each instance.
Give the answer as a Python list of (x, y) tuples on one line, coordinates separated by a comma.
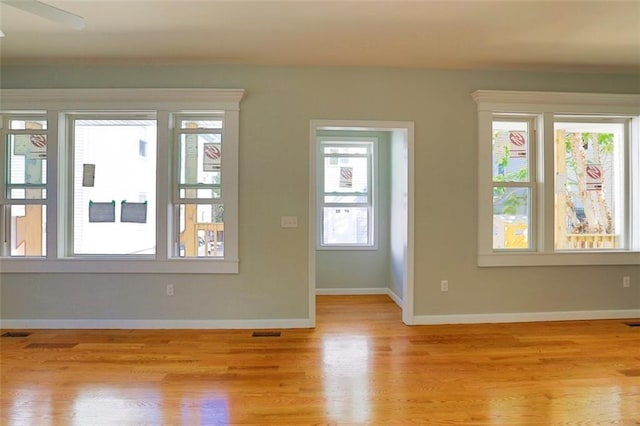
[(444, 285), (170, 290), (626, 282)]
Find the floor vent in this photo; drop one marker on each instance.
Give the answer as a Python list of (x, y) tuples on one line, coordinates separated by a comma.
[(633, 324), (266, 334), (51, 345), (16, 334)]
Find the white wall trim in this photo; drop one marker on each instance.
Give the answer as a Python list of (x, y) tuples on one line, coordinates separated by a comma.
[(394, 297), (525, 317), (351, 291), (133, 98), (152, 324), (407, 127), (115, 264), (568, 101)]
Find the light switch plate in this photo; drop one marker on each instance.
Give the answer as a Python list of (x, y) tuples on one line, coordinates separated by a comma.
[(288, 221)]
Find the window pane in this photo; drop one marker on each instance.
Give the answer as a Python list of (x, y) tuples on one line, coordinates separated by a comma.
[(201, 230), (200, 159), (27, 162), (345, 225), (510, 153), (348, 199), (108, 171), (25, 124), (352, 150), (589, 185), (200, 124), (213, 193), (346, 175), (30, 193), (511, 219), (28, 230)]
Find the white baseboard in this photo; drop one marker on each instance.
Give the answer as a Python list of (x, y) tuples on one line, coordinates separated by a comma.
[(152, 324), (525, 317), (350, 291), (17, 324), (394, 297)]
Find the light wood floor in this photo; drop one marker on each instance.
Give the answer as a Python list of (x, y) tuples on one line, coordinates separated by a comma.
[(361, 365)]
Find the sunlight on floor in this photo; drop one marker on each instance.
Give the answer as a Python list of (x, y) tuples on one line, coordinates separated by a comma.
[(345, 361)]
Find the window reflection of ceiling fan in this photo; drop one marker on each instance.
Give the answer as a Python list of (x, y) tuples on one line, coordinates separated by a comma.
[(47, 11)]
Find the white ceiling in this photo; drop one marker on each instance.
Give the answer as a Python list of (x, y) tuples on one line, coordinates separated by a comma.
[(592, 36)]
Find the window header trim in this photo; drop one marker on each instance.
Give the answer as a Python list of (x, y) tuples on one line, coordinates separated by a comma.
[(145, 99), (557, 102)]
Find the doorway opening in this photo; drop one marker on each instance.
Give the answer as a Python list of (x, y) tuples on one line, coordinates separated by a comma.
[(361, 210)]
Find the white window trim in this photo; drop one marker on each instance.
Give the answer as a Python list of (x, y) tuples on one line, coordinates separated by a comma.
[(163, 102), (546, 105), (373, 232)]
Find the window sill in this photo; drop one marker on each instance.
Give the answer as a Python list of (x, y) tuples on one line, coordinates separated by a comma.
[(129, 266), (559, 259)]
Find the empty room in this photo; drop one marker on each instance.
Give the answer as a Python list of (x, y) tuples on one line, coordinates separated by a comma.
[(319, 212)]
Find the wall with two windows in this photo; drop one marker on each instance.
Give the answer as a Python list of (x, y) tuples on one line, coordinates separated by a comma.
[(272, 279)]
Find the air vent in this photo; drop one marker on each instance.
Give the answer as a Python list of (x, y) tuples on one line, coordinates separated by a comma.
[(51, 345), (16, 334), (266, 334)]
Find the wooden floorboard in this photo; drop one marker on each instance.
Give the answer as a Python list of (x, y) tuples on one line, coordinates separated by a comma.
[(360, 365)]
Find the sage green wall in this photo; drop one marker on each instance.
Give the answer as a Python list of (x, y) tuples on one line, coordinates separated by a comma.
[(340, 269), (274, 132)]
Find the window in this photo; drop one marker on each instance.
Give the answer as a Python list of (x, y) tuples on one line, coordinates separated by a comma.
[(559, 178), (346, 192), (513, 184), (146, 188), (108, 177), (199, 196), (24, 209), (590, 183)]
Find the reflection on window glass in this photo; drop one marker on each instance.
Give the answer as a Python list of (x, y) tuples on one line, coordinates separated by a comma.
[(589, 185), (109, 171)]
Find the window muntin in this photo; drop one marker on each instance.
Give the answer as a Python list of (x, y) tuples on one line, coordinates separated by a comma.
[(24, 194), (512, 157), (590, 184), (346, 193), (108, 177), (199, 198)]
